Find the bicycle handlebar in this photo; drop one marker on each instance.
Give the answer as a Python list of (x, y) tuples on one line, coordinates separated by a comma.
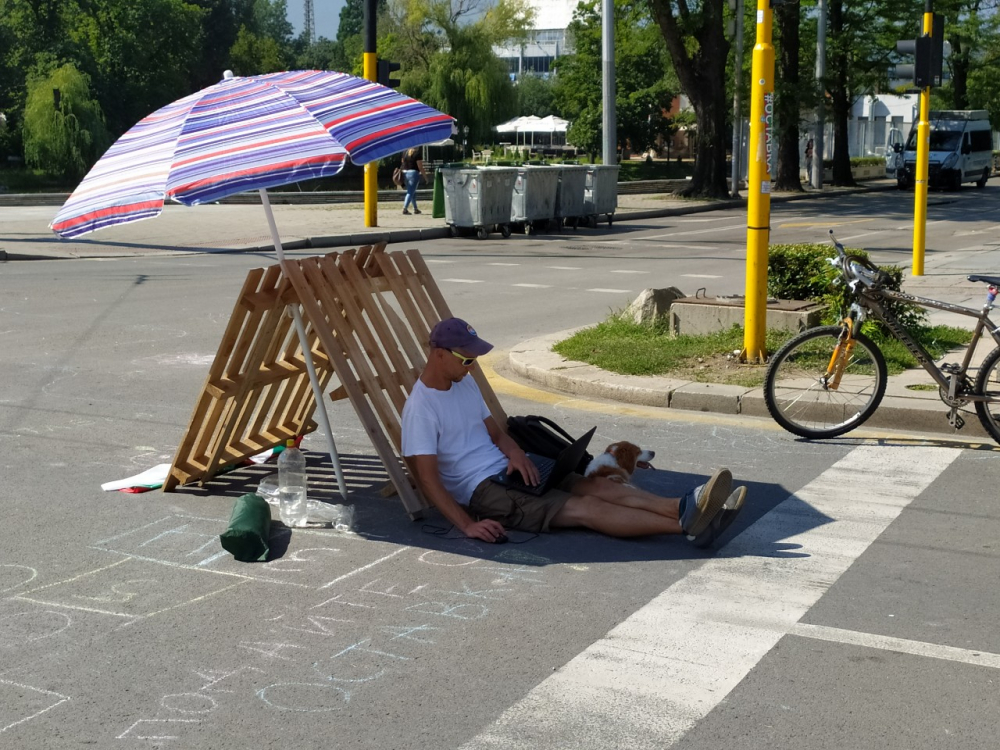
[(854, 268)]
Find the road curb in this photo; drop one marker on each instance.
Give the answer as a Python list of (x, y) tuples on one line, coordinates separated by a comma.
[(534, 360)]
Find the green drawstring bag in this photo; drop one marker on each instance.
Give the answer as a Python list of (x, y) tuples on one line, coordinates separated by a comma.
[(249, 529), (437, 202)]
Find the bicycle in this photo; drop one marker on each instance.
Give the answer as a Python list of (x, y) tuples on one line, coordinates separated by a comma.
[(827, 381)]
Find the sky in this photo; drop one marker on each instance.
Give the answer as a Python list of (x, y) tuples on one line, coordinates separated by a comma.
[(326, 12)]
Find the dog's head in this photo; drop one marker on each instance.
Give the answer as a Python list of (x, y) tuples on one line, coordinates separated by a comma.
[(630, 456)]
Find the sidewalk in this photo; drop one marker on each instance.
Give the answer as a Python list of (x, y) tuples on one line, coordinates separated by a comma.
[(212, 229), (303, 226)]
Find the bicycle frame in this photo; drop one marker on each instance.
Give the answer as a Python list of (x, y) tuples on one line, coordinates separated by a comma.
[(871, 300)]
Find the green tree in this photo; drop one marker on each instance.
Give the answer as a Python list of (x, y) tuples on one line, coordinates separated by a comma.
[(644, 82), (323, 54), (254, 54), (535, 96), (695, 36), (32, 32), (63, 137), (972, 27), (134, 72), (788, 96), (447, 59)]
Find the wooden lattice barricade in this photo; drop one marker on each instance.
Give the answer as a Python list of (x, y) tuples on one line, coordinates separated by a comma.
[(373, 312), (257, 394), (368, 313)]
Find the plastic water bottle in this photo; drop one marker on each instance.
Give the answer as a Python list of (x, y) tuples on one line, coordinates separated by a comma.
[(293, 505)]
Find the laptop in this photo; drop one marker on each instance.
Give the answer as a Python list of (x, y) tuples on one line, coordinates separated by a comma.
[(551, 471)]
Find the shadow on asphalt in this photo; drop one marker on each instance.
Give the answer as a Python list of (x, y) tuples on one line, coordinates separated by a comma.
[(384, 519)]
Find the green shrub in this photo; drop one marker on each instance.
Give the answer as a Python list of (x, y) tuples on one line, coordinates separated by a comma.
[(867, 161), (804, 272)]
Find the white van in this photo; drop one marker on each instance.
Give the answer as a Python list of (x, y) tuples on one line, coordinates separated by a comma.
[(961, 150)]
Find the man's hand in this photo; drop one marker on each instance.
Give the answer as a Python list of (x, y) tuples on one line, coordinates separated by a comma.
[(488, 530), (518, 461)]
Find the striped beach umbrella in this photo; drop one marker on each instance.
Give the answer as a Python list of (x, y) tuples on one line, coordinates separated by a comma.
[(246, 133)]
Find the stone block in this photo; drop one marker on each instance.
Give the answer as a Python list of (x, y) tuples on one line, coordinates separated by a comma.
[(652, 304)]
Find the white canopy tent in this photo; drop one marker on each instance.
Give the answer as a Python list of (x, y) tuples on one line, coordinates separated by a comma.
[(531, 125)]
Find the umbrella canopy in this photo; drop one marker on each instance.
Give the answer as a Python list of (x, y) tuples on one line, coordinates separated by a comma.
[(246, 134)]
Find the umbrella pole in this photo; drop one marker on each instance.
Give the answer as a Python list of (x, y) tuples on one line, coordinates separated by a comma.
[(300, 328)]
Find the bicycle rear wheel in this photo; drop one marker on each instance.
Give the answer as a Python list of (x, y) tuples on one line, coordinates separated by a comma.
[(988, 384), (799, 397)]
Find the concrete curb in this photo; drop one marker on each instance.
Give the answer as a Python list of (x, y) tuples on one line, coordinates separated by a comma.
[(534, 360)]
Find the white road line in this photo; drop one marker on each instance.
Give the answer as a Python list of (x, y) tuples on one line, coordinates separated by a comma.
[(535, 286), (610, 291), (656, 675), (622, 270), (899, 645), (437, 260), (564, 268), (863, 234), (464, 281), (503, 264), (742, 225), (699, 276)]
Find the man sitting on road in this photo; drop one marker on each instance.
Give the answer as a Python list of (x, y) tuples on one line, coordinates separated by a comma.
[(453, 445)]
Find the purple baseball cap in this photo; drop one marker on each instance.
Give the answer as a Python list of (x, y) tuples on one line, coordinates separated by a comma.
[(455, 333)]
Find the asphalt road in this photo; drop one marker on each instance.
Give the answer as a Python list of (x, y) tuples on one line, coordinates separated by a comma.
[(850, 607)]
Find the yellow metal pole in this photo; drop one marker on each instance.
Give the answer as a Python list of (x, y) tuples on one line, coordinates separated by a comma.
[(370, 60), (759, 187), (920, 182)]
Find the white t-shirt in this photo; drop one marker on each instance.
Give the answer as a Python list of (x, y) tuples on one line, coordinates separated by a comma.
[(449, 424)]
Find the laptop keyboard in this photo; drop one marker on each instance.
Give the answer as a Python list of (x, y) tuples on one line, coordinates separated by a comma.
[(545, 467)]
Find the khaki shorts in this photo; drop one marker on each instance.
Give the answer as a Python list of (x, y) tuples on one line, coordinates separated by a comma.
[(519, 510)]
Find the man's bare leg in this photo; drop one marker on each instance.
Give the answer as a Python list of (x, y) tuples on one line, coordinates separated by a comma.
[(613, 519), (628, 496)]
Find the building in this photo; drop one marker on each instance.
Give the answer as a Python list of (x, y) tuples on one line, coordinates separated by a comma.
[(546, 42)]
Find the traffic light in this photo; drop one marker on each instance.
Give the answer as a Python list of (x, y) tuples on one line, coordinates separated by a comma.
[(928, 56), (385, 70)]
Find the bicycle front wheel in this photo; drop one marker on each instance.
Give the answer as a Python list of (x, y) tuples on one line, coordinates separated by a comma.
[(988, 384), (806, 401)]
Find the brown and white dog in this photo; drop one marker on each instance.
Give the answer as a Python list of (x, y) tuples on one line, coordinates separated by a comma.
[(618, 462)]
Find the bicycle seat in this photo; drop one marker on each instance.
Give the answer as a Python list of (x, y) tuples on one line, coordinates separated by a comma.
[(995, 280)]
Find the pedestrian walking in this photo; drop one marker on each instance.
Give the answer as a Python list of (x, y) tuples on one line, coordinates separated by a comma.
[(809, 157), (413, 170)]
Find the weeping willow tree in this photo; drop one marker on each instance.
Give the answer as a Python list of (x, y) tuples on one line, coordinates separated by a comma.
[(64, 130), (447, 58)]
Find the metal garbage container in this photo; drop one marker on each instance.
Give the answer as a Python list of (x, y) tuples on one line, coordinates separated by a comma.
[(533, 201), (478, 198), (601, 193), (569, 194)]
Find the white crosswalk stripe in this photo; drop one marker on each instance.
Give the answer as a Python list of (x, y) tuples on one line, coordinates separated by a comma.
[(653, 677)]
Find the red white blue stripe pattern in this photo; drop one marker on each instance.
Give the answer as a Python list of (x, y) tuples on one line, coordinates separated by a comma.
[(246, 134)]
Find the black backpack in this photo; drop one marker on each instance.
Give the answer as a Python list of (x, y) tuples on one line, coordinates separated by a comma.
[(540, 435)]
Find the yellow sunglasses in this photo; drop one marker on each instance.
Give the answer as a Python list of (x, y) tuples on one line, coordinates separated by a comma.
[(466, 361)]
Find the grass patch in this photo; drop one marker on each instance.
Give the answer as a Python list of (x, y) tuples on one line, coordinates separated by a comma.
[(622, 346), (937, 340)]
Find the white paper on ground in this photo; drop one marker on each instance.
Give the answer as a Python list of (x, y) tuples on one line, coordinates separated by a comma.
[(156, 476), (149, 478)]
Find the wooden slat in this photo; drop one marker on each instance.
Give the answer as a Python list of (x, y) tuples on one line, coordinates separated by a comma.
[(368, 315), (253, 398), (411, 501)]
